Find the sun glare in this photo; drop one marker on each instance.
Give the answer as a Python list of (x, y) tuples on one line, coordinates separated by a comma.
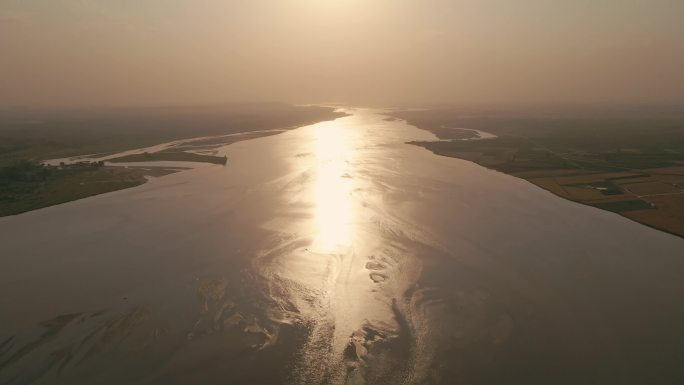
[(334, 210)]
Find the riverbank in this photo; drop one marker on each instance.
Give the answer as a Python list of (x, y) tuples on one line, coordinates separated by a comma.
[(29, 181), (630, 166)]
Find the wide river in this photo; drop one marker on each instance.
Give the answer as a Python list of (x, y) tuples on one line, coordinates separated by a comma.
[(337, 254)]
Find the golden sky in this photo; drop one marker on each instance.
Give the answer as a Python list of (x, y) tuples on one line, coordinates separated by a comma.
[(373, 52)]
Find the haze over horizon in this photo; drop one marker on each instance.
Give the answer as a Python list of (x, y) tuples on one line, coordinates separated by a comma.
[(384, 52)]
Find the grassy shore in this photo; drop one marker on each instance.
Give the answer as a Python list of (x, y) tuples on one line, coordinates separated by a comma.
[(630, 165), (28, 137), (177, 156), (39, 187)]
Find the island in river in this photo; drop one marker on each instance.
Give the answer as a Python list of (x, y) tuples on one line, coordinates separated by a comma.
[(28, 138), (630, 162)]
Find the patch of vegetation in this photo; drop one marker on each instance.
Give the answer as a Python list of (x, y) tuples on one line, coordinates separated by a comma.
[(447, 133), (26, 186), (606, 187), (178, 156), (624, 206)]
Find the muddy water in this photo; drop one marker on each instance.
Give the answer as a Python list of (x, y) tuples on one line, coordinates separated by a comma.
[(335, 253)]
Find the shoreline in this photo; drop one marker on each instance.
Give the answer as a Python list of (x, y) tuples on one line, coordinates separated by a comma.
[(629, 165), (555, 192), (83, 176)]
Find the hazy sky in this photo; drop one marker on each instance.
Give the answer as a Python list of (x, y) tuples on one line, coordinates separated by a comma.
[(380, 52)]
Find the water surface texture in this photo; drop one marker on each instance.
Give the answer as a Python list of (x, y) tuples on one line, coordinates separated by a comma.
[(337, 254)]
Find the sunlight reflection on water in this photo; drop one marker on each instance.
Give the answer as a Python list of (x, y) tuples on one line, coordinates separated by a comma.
[(332, 193)]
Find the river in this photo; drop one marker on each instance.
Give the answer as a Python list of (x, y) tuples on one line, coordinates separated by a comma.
[(338, 254)]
